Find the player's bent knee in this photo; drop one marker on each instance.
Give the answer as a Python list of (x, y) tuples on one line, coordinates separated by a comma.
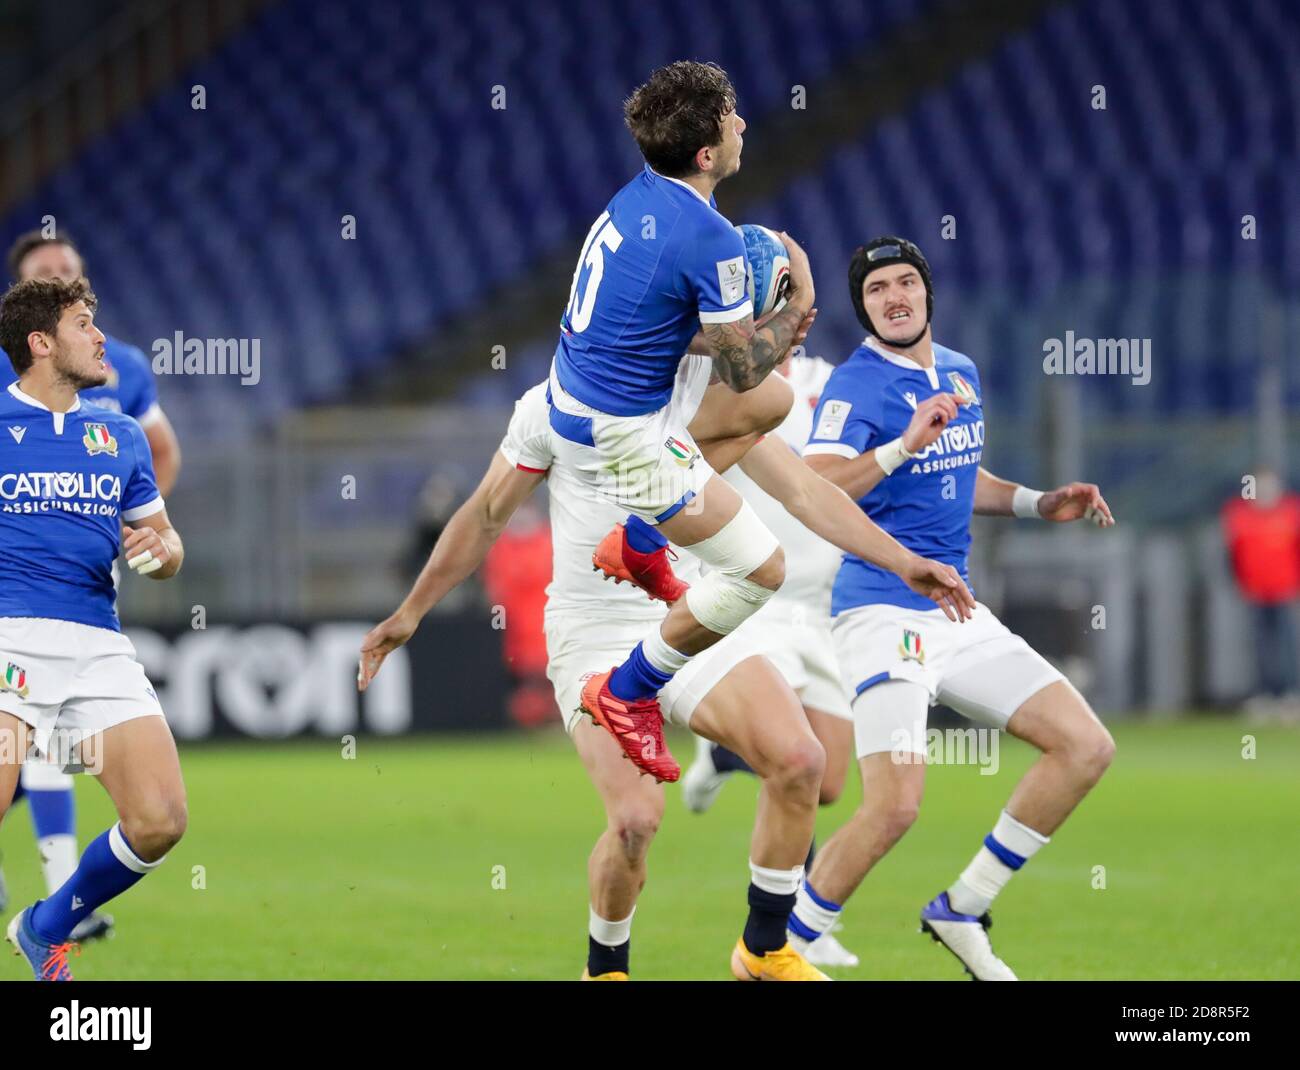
[(899, 816), (635, 828), (155, 831), (800, 766), (1094, 753), (727, 596)]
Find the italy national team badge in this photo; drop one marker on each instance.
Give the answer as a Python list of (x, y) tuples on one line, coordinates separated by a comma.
[(15, 680), (910, 648), (962, 388), (97, 439), (683, 453)]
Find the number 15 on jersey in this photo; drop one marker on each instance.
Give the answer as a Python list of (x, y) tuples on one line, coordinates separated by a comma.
[(602, 236)]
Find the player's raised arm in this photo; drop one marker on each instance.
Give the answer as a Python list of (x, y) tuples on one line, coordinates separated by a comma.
[(1074, 501), (458, 552), (858, 473), (827, 511), (745, 354)]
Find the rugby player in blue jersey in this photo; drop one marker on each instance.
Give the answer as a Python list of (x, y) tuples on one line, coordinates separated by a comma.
[(130, 389), (71, 474), (900, 428), (662, 268)]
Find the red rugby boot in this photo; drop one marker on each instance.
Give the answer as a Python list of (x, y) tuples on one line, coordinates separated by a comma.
[(637, 726), (653, 572)]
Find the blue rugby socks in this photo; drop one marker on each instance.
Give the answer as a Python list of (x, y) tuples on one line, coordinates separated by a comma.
[(108, 868), (651, 664), (642, 537)]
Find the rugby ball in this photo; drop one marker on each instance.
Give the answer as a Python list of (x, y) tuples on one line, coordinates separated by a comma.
[(767, 268)]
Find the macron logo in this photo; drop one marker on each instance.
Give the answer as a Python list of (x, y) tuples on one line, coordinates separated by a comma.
[(910, 398), (77, 904), (18, 433)]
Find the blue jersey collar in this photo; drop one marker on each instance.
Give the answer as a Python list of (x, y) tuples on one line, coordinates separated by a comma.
[(27, 399), (931, 373), (678, 181)]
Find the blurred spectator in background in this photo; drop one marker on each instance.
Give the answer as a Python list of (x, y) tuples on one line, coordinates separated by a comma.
[(1263, 540), (515, 574)]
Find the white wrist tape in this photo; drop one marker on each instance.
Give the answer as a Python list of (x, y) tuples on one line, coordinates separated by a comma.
[(1024, 503), (891, 455)]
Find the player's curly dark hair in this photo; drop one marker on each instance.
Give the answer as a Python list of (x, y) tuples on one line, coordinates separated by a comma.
[(34, 239), (36, 305), (677, 112)]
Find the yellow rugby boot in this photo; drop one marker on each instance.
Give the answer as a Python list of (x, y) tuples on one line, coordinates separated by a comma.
[(784, 964), (613, 975)]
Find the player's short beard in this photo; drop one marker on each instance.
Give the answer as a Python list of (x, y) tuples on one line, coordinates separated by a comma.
[(74, 378)]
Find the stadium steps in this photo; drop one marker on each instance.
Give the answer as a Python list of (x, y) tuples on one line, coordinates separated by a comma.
[(124, 62), (876, 83)]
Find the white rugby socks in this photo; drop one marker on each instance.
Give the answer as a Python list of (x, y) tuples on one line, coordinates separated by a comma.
[(610, 933), (1008, 847)]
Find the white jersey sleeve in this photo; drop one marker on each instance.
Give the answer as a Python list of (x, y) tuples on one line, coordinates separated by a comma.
[(527, 444)]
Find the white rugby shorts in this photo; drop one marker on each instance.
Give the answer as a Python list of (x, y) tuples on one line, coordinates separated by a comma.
[(979, 668), (70, 681), (647, 465)]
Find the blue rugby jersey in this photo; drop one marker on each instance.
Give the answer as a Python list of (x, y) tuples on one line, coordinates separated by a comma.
[(67, 482), (926, 504), (658, 262)]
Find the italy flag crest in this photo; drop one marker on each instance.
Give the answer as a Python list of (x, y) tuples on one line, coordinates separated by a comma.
[(98, 439), (15, 680)]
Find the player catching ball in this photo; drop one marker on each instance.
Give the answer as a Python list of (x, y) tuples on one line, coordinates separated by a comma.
[(900, 428), (731, 694)]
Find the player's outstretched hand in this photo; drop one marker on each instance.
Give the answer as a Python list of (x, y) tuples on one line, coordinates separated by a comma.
[(1076, 501), (802, 293), (929, 420), (941, 584), (144, 550), (380, 641)]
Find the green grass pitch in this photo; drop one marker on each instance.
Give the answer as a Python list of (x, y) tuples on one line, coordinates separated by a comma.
[(313, 866)]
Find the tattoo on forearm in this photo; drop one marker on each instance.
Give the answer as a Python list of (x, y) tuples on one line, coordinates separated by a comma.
[(744, 363)]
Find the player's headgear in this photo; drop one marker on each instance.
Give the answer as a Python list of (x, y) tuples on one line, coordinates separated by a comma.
[(881, 252)]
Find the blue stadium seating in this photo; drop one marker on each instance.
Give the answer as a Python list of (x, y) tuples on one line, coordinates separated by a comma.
[(227, 222)]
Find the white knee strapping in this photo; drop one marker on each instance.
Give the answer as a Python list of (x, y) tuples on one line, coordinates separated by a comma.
[(724, 599)]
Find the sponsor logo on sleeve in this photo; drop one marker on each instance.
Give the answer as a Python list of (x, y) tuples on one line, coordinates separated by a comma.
[(731, 279), (831, 425)]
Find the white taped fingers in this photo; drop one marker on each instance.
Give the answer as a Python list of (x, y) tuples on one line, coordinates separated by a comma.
[(725, 598)]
